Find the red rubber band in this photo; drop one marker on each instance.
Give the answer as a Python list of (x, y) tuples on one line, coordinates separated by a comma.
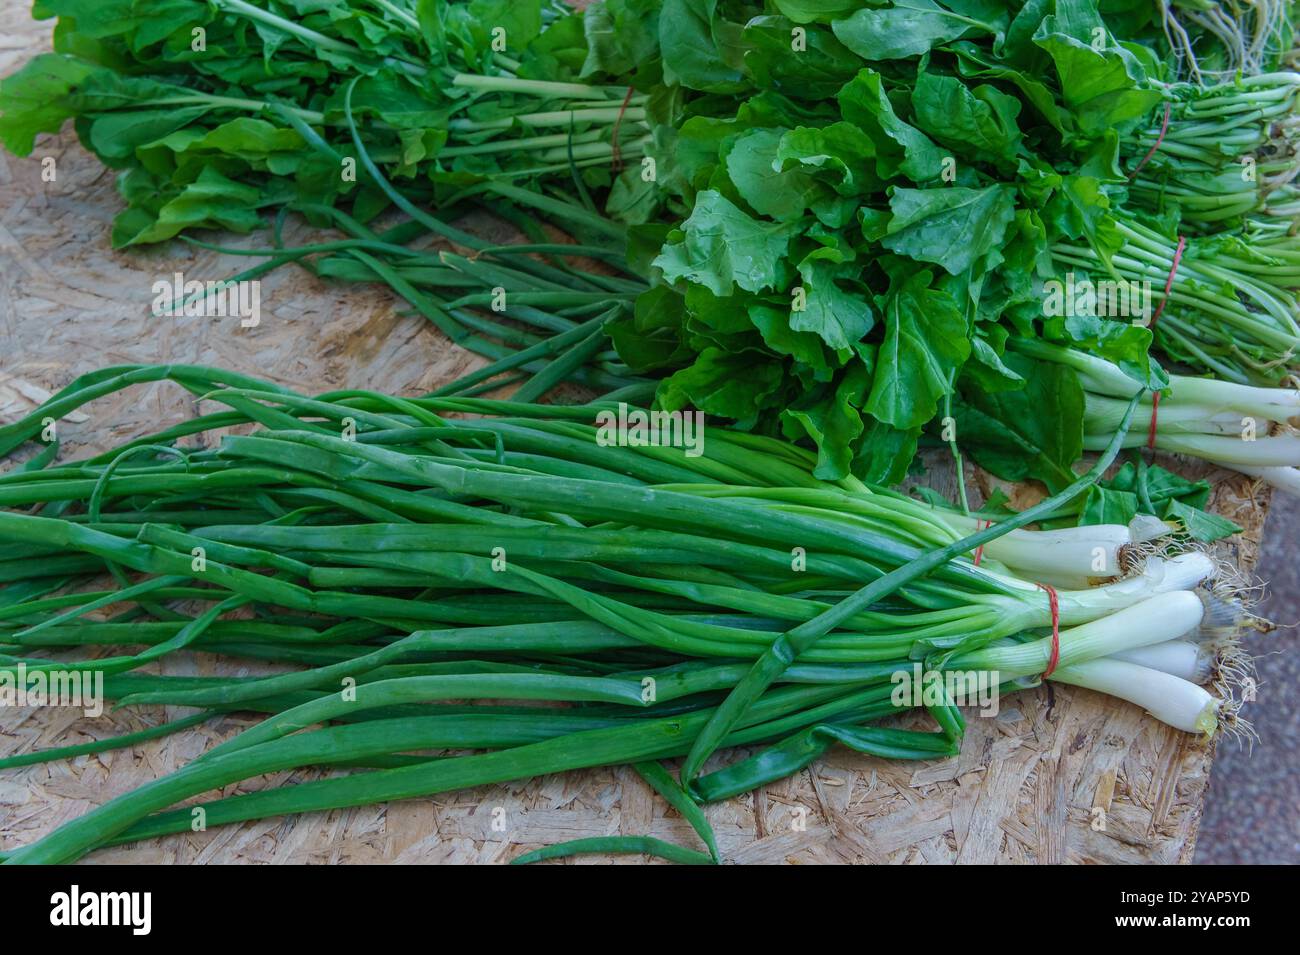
[(616, 151), (1169, 284), (980, 524), (1164, 128), (1151, 428), (1056, 629)]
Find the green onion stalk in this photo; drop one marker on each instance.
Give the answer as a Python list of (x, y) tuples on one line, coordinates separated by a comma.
[(422, 560)]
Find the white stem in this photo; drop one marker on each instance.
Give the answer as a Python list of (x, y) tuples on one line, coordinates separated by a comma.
[(1284, 479), (1159, 576), (1070, 553), (1276, 451), (1163, 617), (1211, 391), (1105, 378), (1181, 658), (1103, 415), (1170, 699)]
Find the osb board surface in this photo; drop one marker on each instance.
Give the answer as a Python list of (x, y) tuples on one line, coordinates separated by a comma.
[(1022, 790)]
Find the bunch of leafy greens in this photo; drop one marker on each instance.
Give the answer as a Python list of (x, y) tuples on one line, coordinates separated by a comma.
[(216, 112), (864, 198), (857, 208)]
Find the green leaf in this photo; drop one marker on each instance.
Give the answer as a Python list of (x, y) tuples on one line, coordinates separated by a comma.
[(838, 317), (839, 151), (986, 369), (1125, 344), (1104, 506), (116, 136), (727, 385), (687, 156), (520, 21), (621, 35), (899, 146), (1036, 432), (979, 124), (35, 99), (632, 199), (926, 340), (885, 453), (815, 11), (693, 57), (1175, 498), (393, 99), (954, 227), (832, 422), (651, 337), (904, 28), (721, 247), (805, 348), (1201, 525), (1106, 89), (211, 201), (973, 61), (1081, 209), (560, 53), (752, 164), (813, 72)]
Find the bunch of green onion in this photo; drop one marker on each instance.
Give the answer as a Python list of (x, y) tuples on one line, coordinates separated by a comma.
[(452, 573), (1241, 427)]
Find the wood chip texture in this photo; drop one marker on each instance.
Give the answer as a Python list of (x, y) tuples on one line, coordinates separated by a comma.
[(1068, 777)]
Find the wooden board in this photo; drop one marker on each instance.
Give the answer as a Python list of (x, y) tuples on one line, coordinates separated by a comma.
[(1023, 789)]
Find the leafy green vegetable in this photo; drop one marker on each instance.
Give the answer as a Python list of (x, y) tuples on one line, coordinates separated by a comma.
[(954, 227), (1034, 432), (721, 248), (925, 343), (905, 28), (1173, 498)]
